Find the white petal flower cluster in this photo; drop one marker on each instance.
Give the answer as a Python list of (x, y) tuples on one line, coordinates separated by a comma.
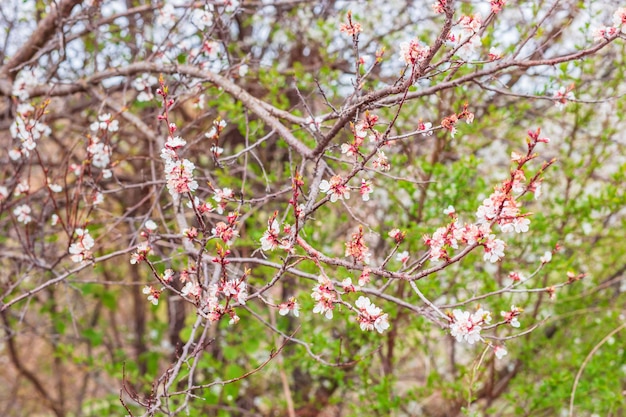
[(27, 129), (466, 327), (80, 250), (370, 316), (178, 171)]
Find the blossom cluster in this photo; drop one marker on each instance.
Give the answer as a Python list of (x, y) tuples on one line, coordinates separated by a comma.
[(413, 52), (213, 134), (207, 299), (381, 162), (351, 27), (99, 150), (23, 213), (356, 247), (28, 128), (221, 197), (290, 306), (203, 18), (141, 254), (178, 171), (26, 79), (359, 132), (153, 294), (497, 5), (335, 188), (510, 317), (370, 316), (313, 123), (226, 230), (144, 85), (81, 248), (619, 25), (325, 297), (201, 206), (562, 96), (228, 289), (466, 327), (466, 38), (449, 123), (271, 237), (105, 122), (449, 237), (501, 208), (439, 6)]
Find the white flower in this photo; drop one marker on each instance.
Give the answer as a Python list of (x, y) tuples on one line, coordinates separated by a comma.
[(466, 327), (150, 225), (230, 5), (216, 150), (413, 52), (144, 82), (175, 142), (481, 316), (15, 154), (55, 188), (202, 18), (402, 257), (494, 53), (499, 351), (191, 288), (382, 323), (313, 123), (105, 123), (153, 294), (224, 193), (323, 309), (521, 224), (619, 19), (291, 305), (366, 189), (494, 249), (211, 49), (26, 79), (269, 240), (23, 214), (370, 316), (166, 16), (168, 275), (212, 133), (97, 198), (100, 153), (348, 149), (426, 128), (22, 188), (80, 248), (143, 249), (547, 257), (335, 189), (85, 238)]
